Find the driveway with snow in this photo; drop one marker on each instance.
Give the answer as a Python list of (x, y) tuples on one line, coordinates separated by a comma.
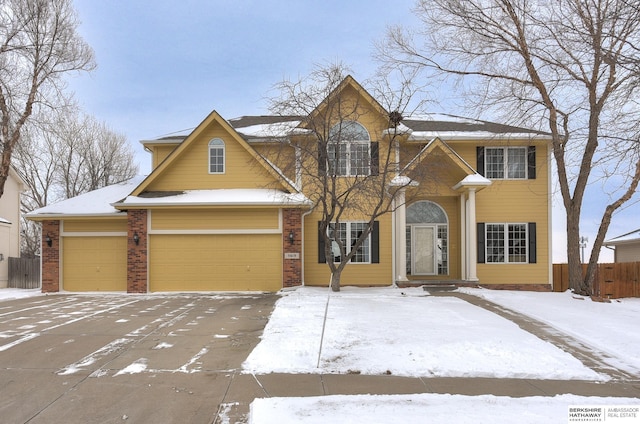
[(122, 358)]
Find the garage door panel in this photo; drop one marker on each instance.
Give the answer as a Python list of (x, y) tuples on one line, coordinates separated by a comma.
[(215, 262), (94, 264)]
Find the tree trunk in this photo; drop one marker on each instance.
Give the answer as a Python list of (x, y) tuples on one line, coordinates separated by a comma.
[(576, 278), (335, 280)]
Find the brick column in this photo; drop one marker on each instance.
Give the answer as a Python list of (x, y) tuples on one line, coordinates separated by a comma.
[(137, 253), (292, 252), (50, 257)]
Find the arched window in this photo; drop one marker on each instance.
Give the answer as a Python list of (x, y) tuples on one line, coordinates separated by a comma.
[(349, 149), (427, 239), (216, 156)]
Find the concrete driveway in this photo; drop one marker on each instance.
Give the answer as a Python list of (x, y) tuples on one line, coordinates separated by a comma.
[(124, 358)]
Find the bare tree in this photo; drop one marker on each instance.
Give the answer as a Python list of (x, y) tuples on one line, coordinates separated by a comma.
[(571, 66), (333, 160), (62, 154), (38, 45)]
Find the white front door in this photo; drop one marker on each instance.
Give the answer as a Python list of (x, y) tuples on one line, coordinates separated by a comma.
[(423, 250)]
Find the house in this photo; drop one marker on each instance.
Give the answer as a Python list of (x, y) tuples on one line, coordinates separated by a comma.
[(219, 212), (626, 247), (10, 223)]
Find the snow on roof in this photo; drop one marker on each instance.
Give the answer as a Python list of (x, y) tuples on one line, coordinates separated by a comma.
[(625, 238), (276, 130), (96, 202), (473, 180), (219, 197)]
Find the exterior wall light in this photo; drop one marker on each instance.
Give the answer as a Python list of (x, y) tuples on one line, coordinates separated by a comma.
[(291, 236), (48, 240), (136, 238)]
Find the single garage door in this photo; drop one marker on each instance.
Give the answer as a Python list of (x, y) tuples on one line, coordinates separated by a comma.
[(94, 263), (215, 262)]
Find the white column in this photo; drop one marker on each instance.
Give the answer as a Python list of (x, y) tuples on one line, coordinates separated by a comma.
[(463, 237), (472, 237), (401, 236)]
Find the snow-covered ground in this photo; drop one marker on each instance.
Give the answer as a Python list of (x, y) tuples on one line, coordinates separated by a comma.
[(407, 332), (7, 294)]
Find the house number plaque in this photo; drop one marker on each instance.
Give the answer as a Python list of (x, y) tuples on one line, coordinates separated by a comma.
[(289, 255)]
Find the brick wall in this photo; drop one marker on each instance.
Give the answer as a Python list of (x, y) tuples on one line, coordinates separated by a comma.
[(292, 267), (137, 253), (51, 257)]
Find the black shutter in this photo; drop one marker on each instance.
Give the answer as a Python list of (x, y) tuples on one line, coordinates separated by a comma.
[(375, 243), (532, 243), (322, 158), (321, 257), (480, 160), (480, 237), (375, 158), (531, 162)]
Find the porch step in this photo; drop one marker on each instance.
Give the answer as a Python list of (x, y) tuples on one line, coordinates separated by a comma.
[(439, 287)]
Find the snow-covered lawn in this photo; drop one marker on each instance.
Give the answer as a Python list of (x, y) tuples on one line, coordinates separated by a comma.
[(403, 332), (429, 408), (407, 332)]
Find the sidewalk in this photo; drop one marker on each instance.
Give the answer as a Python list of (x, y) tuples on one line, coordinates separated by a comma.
[(243, 388)]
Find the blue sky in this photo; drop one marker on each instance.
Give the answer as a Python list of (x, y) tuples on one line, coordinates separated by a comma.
[(163, 66)]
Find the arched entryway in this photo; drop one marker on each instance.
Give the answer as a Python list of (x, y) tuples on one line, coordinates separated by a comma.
[(427, 239)]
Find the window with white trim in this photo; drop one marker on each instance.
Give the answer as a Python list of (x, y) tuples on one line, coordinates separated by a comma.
[(506, 243), (216, 156), (349, 149), (506, 162), (348, 233)]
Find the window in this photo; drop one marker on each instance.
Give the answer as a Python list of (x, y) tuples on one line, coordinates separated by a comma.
[(216, 156), (506, 162), (348, 233), (349, 150), (506, 243)]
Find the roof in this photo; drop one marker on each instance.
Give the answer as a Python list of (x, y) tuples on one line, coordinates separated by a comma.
[(420, 128), (97, 202), (423, 127), (630, 237), (4, 221), (216, 197)]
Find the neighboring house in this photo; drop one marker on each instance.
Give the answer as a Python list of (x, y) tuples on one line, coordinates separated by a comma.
[(626, 248), (214, 214), (10, 224)]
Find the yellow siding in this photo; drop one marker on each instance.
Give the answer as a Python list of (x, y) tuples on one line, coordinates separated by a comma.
[(96, 225), (215, 262), (190, 171), (207, 219), (317, 274), (516, 201), (160, 153), (94, 263)]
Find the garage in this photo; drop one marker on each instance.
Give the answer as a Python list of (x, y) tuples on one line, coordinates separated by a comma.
[(215, 262), (94, 263)]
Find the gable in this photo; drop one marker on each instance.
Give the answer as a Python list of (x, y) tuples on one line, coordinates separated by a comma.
[(187, 167)]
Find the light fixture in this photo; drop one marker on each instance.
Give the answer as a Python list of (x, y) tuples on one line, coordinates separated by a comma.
[(48, 240), (136, 238), (291, 236), (1, 257)]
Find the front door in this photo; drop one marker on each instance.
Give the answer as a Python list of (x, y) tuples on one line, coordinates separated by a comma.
[(423, 250)]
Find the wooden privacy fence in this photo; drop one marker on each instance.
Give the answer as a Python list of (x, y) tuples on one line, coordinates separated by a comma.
[(612, 280), (24, 273)]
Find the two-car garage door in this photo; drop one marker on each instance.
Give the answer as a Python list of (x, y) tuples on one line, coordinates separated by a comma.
[(208, 262)]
